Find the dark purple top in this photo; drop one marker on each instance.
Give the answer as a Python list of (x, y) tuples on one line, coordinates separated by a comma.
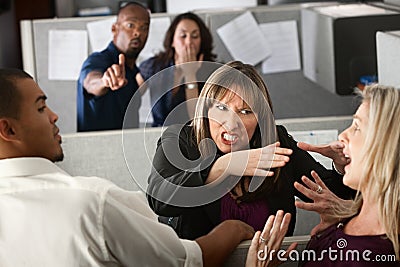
[(339, 249), (254, 213)]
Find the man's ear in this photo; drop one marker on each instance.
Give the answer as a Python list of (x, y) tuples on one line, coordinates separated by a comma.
[(114, 28), (7, 130)]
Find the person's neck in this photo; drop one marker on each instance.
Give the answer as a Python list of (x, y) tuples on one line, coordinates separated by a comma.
[(367, 222), (130, 62)]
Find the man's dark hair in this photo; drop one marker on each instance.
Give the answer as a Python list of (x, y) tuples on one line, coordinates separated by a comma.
[(123, 4), (10, 97)]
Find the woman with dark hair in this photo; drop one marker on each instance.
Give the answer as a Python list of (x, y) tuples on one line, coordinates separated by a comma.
[(187, 40), (231, 162)]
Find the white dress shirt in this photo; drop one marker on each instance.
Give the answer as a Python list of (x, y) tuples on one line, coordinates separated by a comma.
[(49, 218)]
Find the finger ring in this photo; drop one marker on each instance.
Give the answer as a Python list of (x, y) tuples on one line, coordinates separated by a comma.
[(319, 189), (262, 239)]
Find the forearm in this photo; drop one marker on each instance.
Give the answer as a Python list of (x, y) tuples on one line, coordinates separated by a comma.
[(192, 93), (219, 169), (222, 241), (94, 84)]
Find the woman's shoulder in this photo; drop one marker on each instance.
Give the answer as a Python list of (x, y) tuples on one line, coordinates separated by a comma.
[(180, 134), (284, 137), (147, 63), (182, 130), (151, 66)]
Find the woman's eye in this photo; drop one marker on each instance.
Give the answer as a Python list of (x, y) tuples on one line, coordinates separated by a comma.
[(245, 112), (356, 127), (221, 107), (183, 35), (42, 109)]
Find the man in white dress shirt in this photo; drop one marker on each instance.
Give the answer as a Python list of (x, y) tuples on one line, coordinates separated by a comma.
[(49, 218)]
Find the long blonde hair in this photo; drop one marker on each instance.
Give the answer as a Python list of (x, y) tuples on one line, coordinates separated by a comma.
[(381, 159)]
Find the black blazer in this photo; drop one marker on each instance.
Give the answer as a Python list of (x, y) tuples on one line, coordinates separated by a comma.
[(194, 222)]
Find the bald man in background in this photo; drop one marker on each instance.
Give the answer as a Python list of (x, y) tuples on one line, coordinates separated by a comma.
[(107, 81)]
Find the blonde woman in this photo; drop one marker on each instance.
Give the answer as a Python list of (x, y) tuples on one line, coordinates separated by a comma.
[(367, 231)]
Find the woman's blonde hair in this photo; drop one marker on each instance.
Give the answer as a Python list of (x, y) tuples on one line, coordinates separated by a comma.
[(243, 80), (381, 158)]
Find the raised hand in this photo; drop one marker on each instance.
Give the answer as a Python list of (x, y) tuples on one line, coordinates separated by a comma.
[(257, 162), (114, 76), (188, 55), (250, 162), (264, 247), (333, 150), (324, 201)]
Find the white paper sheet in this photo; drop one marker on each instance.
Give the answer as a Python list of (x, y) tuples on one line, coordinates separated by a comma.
[(244, 39), (67, 51), (155, 40), (100, 33), (182, 6), (283, 39), (145, 116), (352, 10), (318, 137)]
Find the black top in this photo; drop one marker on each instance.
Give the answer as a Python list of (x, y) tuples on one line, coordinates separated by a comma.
[(194, 222)]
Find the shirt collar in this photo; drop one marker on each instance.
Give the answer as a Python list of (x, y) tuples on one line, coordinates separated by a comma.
[(18, 167), (114, 50)]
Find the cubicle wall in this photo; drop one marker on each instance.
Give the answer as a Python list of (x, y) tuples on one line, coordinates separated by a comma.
[(292, 94), (61, 94)]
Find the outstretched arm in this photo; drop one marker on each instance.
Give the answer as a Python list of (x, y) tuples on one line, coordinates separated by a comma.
[(252, 162), (333, 150), (222, 240)]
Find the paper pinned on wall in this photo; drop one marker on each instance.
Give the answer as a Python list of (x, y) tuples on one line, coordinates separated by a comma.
[(283, 39), (155, 40), (318, 137), (100, 33), (244, 39), (67, 51)]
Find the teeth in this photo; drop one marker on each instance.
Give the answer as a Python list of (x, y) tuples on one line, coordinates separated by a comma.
[(229, 137)]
